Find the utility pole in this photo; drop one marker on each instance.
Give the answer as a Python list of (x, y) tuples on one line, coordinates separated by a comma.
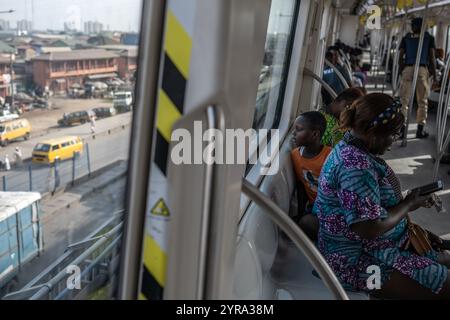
[(12, 80)]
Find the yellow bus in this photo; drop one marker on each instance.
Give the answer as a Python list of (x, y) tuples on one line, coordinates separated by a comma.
[(60, 148), (13, 130)]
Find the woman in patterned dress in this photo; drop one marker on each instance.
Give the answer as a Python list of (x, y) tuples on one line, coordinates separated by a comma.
[(362, 214)]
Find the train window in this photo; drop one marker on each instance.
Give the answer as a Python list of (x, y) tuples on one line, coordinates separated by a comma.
[(69, 56), (275, 66)]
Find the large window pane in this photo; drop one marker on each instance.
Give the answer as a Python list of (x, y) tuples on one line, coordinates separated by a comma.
[(67, 81), (275, 65)]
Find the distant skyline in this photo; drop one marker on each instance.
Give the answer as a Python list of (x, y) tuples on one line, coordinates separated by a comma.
[(120, 15)]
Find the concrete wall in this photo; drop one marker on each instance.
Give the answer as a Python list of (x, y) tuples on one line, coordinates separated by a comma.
[(41, 72)]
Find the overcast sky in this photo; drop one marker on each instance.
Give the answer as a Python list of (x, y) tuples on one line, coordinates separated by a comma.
[(123, 15)]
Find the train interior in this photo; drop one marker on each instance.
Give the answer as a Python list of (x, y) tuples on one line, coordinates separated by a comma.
[(282, 271)]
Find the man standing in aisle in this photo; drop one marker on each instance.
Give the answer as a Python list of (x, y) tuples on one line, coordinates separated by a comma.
[(408, 53)]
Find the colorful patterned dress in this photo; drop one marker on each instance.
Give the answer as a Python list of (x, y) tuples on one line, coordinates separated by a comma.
[(354, 186), (333, 134)]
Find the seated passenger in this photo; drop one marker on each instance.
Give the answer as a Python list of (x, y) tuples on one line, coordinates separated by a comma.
[(308, 157), (333, 134), (363, 215), (331, 78)]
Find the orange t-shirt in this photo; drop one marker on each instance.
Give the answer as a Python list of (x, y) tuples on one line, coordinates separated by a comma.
[(308, 170)]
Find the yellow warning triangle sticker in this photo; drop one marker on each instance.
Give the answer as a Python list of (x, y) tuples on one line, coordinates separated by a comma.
[(160, 209)]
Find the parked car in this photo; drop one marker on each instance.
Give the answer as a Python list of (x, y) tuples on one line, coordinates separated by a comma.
[(104, 112), (79, 117), (5, 115)]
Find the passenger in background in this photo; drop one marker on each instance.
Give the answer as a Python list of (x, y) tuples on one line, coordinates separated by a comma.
[(363, 215), (333, 133), (331, 78), (409, 48), (308, 157), (339, 64)]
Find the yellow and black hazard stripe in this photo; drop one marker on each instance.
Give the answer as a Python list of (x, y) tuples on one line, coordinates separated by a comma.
[(177, 55)]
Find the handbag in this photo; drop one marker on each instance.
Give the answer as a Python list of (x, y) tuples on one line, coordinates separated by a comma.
[(418, 240)]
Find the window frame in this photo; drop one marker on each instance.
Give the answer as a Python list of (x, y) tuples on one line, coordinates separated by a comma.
[(280, 105)]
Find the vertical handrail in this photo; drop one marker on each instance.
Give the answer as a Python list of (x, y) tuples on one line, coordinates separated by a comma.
[(441, 117), (347, 63), (442, 112), (416, 73), (339, 74), (442, 95), (388, 59), (396, 66), (151, 42), (213, 122), (301, 240)]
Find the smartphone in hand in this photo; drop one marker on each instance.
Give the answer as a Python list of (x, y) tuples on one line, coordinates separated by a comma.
[(430, 188)]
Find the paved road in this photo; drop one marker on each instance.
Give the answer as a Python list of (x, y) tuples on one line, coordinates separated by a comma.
[(104, 148), (73, 225)]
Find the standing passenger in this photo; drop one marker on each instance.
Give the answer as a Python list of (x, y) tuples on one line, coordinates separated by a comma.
[(409, 47)]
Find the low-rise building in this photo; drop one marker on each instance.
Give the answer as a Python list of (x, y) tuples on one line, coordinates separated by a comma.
[(60, 70), (5, 76), (127, 61)]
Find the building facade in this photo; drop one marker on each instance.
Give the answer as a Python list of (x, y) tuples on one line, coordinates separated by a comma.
[(5, 76), (93, 27), (5, 25), (24, 25), (60, 70), (127, 61)]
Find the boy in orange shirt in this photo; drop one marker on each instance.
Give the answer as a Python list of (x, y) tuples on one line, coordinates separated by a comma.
[(308, 157)]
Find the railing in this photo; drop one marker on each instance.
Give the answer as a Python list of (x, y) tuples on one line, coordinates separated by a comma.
[(326, 86), (69, 73), (300, 239), (338, 73), (97, 258)]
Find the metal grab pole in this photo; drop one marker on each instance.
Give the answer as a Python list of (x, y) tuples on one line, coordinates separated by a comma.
[(300, 239), (388, 58), (442, 113), (442, 145), (416, 72), (30, 176), (397, 53), (440, 103), (326, 86)]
